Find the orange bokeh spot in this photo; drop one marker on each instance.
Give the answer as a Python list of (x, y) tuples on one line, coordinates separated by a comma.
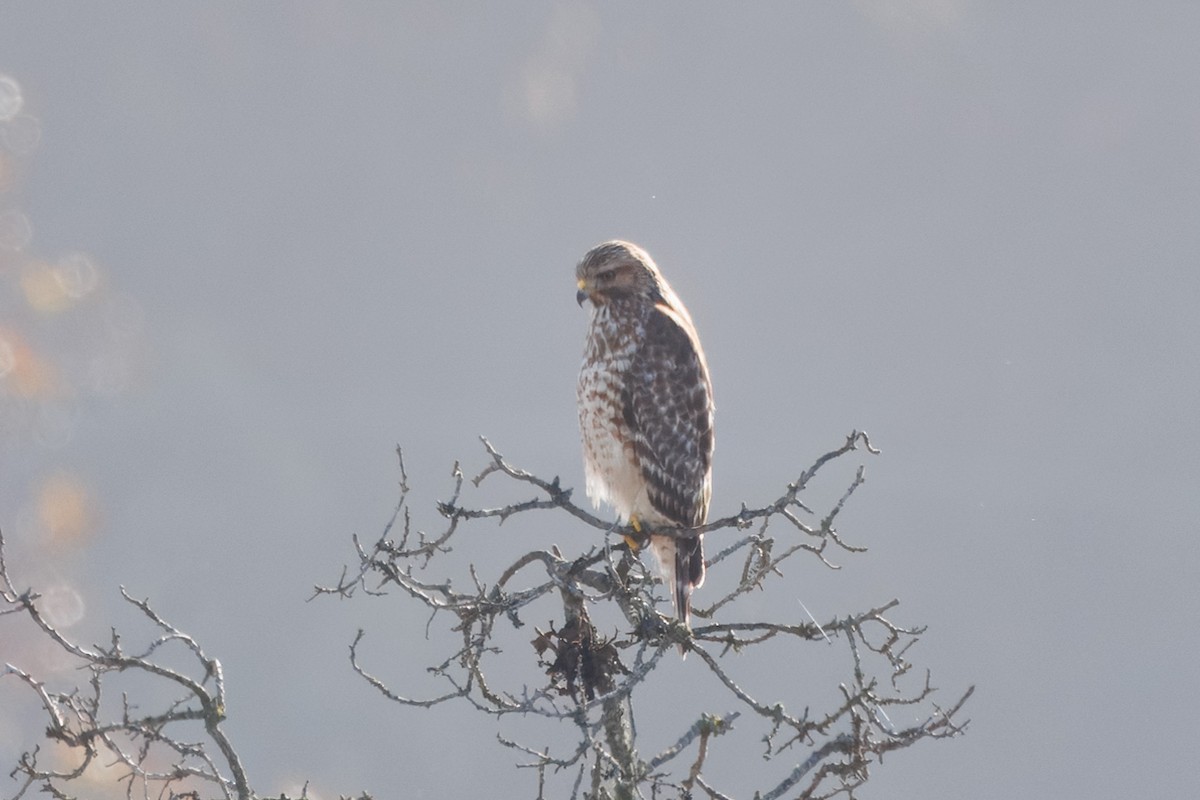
[(22, 371), (65, 510)]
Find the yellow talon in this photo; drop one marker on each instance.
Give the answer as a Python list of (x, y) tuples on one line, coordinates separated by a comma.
[(630, 541)]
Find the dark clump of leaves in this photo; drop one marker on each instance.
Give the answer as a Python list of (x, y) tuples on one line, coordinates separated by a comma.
[(581, 657)]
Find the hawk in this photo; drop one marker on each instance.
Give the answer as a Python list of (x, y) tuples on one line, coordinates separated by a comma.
[(646, 409)]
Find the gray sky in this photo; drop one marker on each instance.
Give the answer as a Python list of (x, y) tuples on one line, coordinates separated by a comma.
[(247, 248)]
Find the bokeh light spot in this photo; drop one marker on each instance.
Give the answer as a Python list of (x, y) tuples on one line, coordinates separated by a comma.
[(65, 510), (21, 134), (548, 84), (23, 370), (16, 231), (549, 96), (43, 289), (101, 779), (76, 273), (916, 19), (62, 605), (11, 99)]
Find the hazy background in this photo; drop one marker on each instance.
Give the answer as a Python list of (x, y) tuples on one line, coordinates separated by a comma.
[(247, 248)]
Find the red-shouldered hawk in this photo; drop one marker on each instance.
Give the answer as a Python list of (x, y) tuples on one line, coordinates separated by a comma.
[(646, 409)]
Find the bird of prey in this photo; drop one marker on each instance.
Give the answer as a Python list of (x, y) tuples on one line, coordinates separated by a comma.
[(646, 410)]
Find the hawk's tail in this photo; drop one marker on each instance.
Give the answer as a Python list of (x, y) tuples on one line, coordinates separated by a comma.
[(682, 563), (689, 574)]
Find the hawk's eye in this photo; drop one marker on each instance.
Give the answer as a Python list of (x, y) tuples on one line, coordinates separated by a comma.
[(605, 275)]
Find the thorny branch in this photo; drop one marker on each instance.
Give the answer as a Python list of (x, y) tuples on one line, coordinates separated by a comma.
[(592, 681)]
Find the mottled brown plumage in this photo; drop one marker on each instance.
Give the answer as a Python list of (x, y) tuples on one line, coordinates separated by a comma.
[(646, 409)]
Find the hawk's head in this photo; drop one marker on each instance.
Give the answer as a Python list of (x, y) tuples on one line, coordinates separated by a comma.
[(617, 269)]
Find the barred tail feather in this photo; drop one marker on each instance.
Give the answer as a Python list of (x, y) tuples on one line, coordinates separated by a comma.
[(681, 561), (689, 575)]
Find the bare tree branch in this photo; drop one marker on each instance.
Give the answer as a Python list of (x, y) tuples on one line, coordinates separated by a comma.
[(588, 687), (592, 690), (136, 741)]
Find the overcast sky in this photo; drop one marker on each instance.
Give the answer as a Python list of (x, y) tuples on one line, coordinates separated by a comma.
[(246, 249)]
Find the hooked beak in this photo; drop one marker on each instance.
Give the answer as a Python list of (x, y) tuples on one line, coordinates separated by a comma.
[(582, 294)]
